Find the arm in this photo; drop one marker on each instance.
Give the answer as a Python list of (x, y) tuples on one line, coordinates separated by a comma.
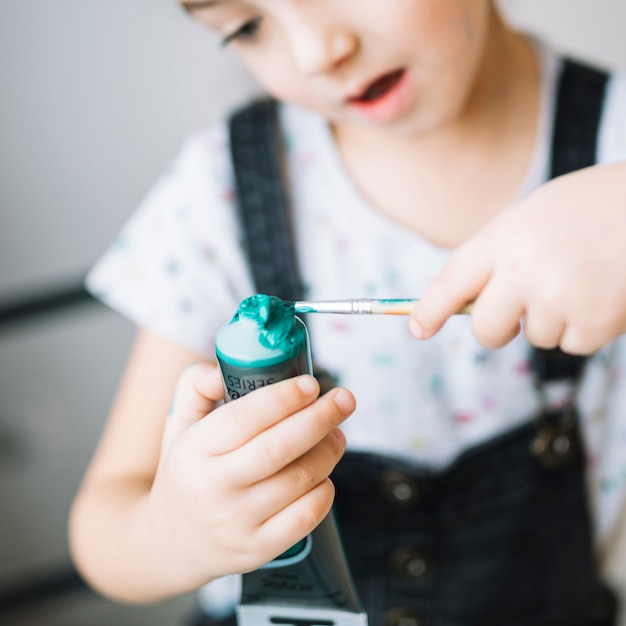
[(168, 504), (557, 259)]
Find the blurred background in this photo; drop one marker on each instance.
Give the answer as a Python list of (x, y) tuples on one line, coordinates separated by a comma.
[(95, 100)]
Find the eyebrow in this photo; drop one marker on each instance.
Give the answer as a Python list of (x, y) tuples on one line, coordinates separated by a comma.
[(194, 5)]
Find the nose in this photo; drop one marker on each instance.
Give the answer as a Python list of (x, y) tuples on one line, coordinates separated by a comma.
[(321, 47)]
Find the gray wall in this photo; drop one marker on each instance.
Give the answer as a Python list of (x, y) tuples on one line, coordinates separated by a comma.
[(590, 29), (95, 98)]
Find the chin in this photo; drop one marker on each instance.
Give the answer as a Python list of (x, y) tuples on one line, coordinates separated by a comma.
[(411, 127), (424, 123)]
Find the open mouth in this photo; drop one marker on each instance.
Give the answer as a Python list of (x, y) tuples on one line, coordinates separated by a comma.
[(380, 87)]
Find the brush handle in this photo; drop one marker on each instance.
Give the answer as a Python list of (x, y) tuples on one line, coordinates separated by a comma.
[(346, 307), (365, 306)]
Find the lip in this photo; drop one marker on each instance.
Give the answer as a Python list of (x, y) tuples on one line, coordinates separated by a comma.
[(389, 104)]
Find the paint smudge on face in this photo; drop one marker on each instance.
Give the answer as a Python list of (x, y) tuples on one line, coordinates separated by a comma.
[(463, 23), (467, 23)]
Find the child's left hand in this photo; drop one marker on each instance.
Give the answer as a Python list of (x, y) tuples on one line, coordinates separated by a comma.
[(557, 259)]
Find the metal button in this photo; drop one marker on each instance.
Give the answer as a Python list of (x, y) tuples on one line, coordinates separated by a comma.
[(556, 445), (411, 562), (399, 488), (405, 616), (561, 445)]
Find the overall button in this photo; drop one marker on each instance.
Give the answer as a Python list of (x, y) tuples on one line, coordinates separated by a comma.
[(404, 616), (399, 488), (411, 562), (556, 445)]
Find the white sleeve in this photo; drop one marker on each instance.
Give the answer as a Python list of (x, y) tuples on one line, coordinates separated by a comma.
[(612, 137), (177, 268), (607, 446), (611, 455)]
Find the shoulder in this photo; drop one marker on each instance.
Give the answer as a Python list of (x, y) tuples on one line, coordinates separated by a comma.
[(206, 154), (203, 157), (194, 190), (176, 267)]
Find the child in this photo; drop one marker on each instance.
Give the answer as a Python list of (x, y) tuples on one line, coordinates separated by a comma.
[(409, 126)]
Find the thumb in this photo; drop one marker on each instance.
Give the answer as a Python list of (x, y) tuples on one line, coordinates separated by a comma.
[(198, 390), (459, 284)]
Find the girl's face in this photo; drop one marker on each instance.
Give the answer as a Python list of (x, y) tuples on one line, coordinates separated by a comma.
[(406, 65)]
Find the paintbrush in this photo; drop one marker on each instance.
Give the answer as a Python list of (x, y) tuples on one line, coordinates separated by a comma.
[(364, 306)]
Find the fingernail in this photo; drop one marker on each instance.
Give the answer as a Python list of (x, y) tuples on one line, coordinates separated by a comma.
[(344, 400), (307, 384)]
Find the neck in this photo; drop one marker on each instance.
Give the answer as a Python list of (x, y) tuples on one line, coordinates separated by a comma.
[(508, 81)]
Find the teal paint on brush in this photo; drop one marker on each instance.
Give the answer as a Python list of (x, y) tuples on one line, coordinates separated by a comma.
[(361, 306)]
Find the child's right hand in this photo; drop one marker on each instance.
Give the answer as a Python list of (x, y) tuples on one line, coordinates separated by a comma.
[(555, 260), (238, 485)]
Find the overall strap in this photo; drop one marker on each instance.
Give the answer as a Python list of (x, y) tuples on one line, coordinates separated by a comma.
[(579, 101), (256, 150), (580, 98)]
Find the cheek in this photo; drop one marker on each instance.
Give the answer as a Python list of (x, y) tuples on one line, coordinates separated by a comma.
[(279, 82), (449, 50), (438, 31), (261, 66), (274, 71)]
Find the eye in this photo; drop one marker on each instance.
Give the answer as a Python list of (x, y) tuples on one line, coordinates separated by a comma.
[(247, 32)]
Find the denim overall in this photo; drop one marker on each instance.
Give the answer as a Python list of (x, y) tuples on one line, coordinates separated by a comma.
[(500, 538)]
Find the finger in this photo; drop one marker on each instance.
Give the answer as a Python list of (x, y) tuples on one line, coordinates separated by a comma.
[(497, 313), (589, 325), (273, 494), (291, 438), (301, 517), (234, 424), (459, 283), (578, 340), (543, 327), (198, 390)]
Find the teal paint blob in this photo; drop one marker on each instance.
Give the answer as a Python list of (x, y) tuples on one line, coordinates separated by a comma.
[(264, 331), (276, 321)]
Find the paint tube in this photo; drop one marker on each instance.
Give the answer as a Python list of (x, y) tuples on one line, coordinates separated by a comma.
[(310, 584), (264, 342)]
